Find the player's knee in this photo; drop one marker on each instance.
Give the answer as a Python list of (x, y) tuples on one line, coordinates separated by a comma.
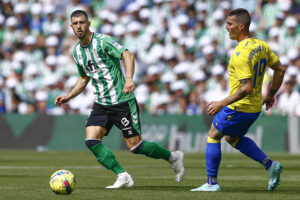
[(132, 141), (91, 142), (232, 141), (137, 147)]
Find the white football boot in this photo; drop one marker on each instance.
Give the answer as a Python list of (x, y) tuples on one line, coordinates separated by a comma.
[(207, 188), (274, 175), (177, 166), (124, 180)]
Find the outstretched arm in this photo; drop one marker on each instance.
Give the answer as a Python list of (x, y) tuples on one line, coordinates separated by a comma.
[(246, 88), (279, 72), (128, 59), (78, 88)]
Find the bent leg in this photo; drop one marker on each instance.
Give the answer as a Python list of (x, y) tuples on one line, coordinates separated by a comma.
[(248, 147), (149, 149), (104, 155), (153, 150)]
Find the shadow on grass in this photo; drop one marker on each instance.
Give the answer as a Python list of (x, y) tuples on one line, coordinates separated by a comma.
[(139, 188), (236, 190), (279, 190)]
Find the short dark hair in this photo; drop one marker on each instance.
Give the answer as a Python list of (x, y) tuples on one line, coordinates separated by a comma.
[(78, 13), (243, 16)]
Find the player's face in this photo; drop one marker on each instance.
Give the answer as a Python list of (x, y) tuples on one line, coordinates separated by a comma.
[(233, 27), (80, 26)]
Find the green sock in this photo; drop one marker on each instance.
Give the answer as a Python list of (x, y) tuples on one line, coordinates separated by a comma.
[(153, 150), (106, 158)]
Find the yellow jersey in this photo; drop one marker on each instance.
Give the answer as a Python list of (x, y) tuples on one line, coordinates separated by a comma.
[(249, 60)]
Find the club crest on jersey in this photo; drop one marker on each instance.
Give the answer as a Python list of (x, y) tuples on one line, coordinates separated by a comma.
[(115, 44)]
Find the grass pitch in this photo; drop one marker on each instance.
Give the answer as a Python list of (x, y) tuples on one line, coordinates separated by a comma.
[(25, 175)]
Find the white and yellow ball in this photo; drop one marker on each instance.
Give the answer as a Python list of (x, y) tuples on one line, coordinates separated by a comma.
[(62, 182)]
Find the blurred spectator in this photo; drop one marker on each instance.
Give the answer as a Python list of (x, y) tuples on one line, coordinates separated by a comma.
[(269, 12), (41, 102), (178, 103), (291, 39), (250, 5), (289, 101), (177, 46), (1, 28), (36, 22), (2, 97), (193, 104)]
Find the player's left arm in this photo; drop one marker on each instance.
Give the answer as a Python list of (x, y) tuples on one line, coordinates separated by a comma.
[(128, 59), (246, 88), (278, 76)]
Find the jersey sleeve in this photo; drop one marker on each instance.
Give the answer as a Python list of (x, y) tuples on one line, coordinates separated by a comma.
[(242, 65), (272, 57), (79, 68), (112, 47)]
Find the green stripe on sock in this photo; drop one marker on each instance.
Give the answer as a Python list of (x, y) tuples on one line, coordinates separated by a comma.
[(153, 150), (106, 158)]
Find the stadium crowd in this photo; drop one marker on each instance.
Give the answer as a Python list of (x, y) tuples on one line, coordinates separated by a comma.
[(181, 51)]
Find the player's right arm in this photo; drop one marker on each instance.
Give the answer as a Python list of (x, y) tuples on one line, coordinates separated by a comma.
[(246, 88), (80, 85), (129, 70), (279, 72)]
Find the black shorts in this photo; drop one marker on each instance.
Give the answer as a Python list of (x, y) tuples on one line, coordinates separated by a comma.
[(124, 115)]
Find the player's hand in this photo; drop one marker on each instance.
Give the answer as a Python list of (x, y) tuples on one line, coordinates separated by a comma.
[(60, 100), (269, 101), (214, 107), (129, 86)]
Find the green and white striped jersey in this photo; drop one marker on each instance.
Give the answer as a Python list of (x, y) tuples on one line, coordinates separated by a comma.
[(100, 60)]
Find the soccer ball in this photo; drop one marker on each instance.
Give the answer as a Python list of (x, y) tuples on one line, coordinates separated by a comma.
[(62, 182)]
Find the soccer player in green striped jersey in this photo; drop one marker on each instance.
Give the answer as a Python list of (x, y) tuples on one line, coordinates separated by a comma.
[(97, 57)]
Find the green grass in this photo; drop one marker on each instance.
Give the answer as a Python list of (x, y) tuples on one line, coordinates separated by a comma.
[(25, 175)]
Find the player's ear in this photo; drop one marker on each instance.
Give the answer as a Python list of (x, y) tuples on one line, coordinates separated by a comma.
[(241, 26)]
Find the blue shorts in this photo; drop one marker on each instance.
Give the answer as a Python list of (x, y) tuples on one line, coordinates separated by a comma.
[(233, 123)]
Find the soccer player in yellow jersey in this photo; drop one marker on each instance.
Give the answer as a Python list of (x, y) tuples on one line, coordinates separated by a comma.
[(237, 112)]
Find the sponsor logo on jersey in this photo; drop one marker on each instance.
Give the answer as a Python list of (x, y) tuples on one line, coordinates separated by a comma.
[(125, 121), (115, 44)]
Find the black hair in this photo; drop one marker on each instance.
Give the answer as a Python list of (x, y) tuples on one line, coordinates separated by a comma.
[(243, 16), (78, 13)]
